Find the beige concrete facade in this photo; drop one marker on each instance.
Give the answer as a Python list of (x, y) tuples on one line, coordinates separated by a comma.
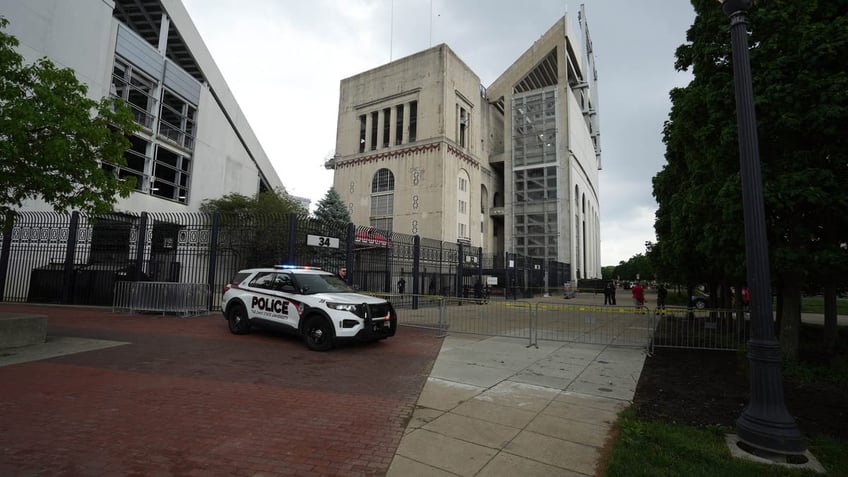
[(423, 148)]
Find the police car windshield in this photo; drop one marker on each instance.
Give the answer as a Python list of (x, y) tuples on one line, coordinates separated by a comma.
[(310, 284)]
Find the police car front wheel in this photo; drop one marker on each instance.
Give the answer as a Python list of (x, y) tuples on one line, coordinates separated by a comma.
[(318, 334)]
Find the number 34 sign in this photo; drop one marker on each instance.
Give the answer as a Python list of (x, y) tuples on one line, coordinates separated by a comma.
[(319, 241)]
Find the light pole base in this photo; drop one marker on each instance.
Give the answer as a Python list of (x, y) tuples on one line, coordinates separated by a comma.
[(765, 423), (804, 460)]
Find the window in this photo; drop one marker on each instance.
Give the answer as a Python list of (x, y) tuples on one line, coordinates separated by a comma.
[(413, 121), (464, 198), (177, 120), (363, 120), (536, 184), (382, 199), (160, 171), (534, 129), (170, 175), (399, 125), (463, 126), (136, 89), (264, 280), (374, 117), (136, 157), (387, 126)]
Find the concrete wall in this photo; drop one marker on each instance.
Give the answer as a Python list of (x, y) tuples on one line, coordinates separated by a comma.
[(81, 35)]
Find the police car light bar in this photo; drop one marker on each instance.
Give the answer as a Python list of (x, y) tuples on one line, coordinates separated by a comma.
[(296, 267)]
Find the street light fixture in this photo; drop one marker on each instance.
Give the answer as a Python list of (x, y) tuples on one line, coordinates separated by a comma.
[(765, 423)]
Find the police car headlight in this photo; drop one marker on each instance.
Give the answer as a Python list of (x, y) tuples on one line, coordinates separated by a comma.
[(344, 307)]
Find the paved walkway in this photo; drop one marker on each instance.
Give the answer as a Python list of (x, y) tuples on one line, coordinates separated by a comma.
[(148, 395), (493, 407)]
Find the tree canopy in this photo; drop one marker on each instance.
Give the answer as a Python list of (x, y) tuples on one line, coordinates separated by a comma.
[(277, 203), (331, 209), (55, 142), (797, 52)]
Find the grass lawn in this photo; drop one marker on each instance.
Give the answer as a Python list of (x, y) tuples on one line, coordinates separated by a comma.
[(649, 449)]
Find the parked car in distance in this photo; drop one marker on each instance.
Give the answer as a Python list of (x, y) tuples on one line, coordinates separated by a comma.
[(699, 302)]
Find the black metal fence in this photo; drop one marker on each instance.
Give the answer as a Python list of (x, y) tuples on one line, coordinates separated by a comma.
[(51, 257)]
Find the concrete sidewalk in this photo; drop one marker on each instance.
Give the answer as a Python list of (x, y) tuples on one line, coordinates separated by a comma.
[(493, 406)]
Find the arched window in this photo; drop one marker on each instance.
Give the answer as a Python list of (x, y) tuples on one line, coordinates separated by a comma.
[(463, 212), (382, 199)]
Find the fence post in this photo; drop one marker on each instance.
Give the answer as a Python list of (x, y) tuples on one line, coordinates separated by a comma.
[(4, 256), (460, 271), (480, 265), (443, 317), (140, 244), (70, 258), (416, 264), (292, 252), (213, 258), (387, 286), (351, 236)]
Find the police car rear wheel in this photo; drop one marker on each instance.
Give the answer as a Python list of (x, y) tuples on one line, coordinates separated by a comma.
[(318, 334), (237, 320)]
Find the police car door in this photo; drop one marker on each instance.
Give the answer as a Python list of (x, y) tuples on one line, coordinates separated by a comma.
[(267, 302)]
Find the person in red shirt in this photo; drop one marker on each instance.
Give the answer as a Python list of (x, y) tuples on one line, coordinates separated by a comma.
[(638, 295)]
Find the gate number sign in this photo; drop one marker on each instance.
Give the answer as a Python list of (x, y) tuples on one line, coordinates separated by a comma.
[(319, 241)]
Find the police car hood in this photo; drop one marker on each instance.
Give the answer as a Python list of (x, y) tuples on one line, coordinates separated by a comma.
[(352, 298)]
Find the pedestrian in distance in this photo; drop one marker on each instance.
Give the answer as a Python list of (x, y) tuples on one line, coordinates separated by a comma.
[(401, 285), (662, 294), (638, 297), (342, 274), (609, 289)]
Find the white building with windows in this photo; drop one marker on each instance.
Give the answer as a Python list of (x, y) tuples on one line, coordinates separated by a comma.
[(195, 143), (423, 148)]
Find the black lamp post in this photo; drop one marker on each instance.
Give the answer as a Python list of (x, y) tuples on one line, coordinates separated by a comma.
[(765, 423)]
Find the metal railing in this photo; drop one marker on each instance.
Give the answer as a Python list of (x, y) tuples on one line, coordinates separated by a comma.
[(717, 329), (608, 325), (625, 326), (161, 297)]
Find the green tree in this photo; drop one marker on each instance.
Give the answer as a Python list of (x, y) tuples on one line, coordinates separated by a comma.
[(55, 141), (255, 229), (331, 209), (277, 203), (637, 265), (800, 84)]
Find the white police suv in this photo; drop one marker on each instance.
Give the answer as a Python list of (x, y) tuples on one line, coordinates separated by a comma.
[(314, 304)]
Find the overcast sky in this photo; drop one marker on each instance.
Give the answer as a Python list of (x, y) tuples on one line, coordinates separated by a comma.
[(284, 59)]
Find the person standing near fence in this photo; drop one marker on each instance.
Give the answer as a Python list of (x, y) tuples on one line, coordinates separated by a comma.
[(401, 285), (608, 293)]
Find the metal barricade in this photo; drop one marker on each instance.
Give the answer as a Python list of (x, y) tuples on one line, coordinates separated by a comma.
[(162, 297), (691, 328), (592, 324)]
